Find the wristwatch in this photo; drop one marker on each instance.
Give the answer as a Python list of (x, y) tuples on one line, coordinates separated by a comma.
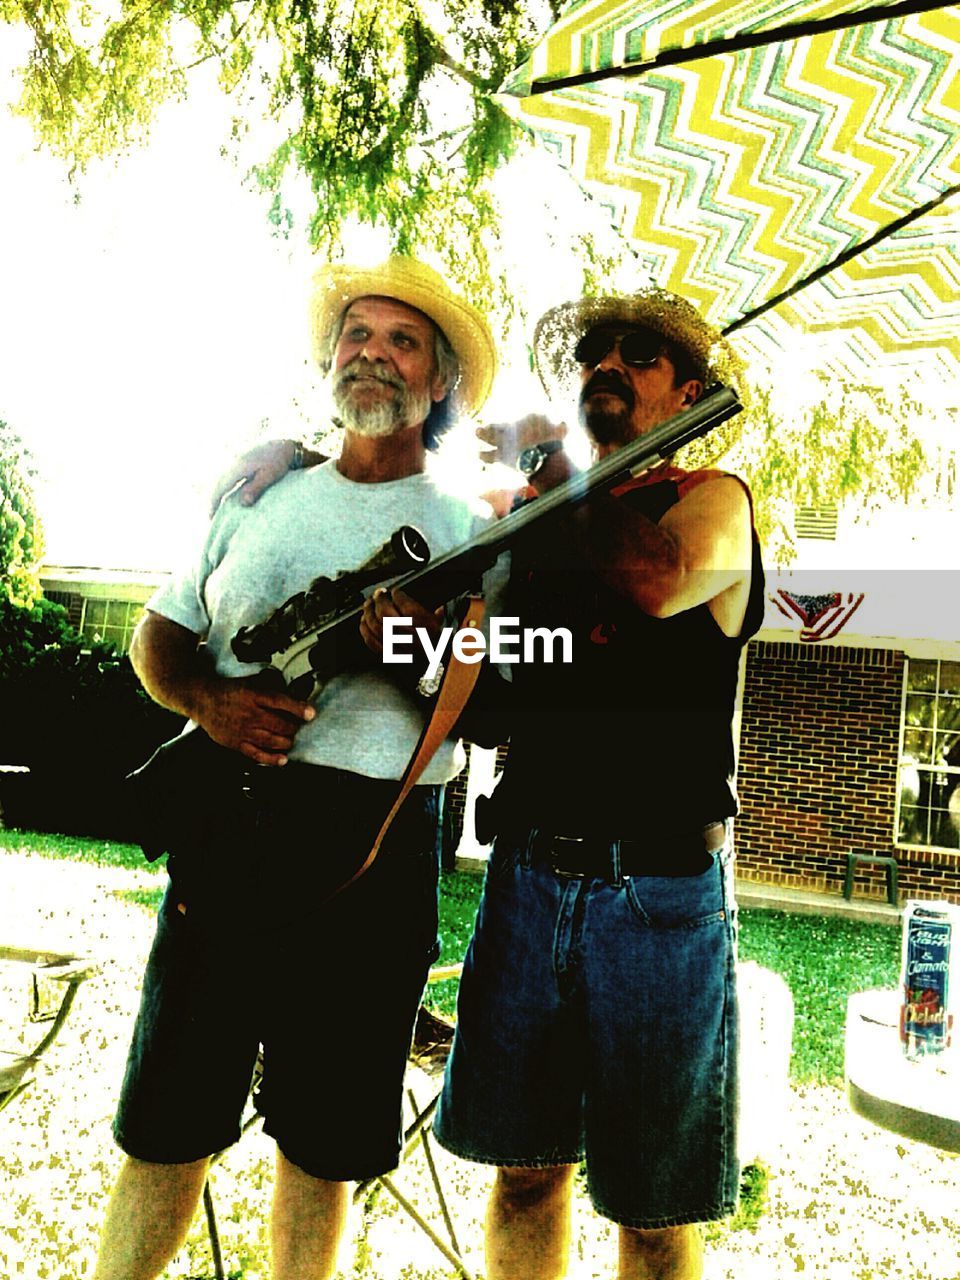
[(532, 459)]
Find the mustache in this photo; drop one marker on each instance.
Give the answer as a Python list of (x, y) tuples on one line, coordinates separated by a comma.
[(361, 368), (603, 381)]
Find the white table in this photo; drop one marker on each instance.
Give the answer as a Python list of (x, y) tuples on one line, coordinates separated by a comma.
[(914, 1099)]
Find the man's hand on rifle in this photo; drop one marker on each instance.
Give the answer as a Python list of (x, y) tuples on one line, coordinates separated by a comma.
[(245, 716), (253, 715), (384, 603)]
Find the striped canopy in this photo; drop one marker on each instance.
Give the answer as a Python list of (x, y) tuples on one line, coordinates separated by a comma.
[(790, 166)]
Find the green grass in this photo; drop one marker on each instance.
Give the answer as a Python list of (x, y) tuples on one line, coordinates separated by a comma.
[(823, 959), (459, 893), (103, 853), (149, 899), (754, 1181)]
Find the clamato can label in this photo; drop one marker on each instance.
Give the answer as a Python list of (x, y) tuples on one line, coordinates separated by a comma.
[(929, 933)]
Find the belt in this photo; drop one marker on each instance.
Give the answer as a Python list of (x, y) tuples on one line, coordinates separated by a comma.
[(594, 857)]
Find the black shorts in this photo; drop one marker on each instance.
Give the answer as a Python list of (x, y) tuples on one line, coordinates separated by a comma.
[(331, 996)]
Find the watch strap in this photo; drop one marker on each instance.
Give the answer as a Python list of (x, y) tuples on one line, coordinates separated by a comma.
[(538, 454)]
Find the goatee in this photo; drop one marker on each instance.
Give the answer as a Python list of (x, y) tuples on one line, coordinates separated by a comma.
[(607, 425), (607, 416), (405, 408)]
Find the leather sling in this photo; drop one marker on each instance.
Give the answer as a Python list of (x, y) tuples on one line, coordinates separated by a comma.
[(459, 680)]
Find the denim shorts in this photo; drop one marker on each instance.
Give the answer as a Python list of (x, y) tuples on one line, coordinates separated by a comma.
[(598, 1020), (331, 997)]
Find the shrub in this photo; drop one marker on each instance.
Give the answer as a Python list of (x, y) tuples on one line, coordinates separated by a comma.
[(21, 533), (73, 711)]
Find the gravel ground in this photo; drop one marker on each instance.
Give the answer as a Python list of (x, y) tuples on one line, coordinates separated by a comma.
[(846, 1200)]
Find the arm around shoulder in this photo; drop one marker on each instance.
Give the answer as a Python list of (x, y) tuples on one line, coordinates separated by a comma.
[(260, 467)]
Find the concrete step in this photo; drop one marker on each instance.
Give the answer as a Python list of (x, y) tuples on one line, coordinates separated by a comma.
[(775, 897)]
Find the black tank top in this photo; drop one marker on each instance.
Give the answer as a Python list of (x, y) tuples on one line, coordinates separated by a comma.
[(634, 736)]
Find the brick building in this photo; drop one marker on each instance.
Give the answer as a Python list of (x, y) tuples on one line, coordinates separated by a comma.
[(849, 734), (826, 769), (103, 604)]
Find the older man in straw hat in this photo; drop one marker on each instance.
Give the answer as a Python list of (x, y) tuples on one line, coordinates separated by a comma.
[(248, 939), (597, 1012)]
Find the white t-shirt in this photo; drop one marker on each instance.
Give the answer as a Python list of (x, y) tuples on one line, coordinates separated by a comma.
[(318, 523)]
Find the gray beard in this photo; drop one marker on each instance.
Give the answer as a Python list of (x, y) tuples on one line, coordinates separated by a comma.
[(406, 409), (375, 421)]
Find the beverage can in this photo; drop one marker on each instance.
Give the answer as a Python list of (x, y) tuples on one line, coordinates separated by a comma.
[(926, 1022)]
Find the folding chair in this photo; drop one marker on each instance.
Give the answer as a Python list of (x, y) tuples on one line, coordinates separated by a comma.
[(52, 982), (432, 1040)]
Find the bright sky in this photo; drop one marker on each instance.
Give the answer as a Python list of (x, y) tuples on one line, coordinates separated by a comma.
[(148, 330), (144, 332)]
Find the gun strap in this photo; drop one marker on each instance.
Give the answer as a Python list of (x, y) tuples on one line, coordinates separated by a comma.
[(456, 687)]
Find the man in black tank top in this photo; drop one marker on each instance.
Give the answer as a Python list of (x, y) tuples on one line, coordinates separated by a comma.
[(597, 1010)]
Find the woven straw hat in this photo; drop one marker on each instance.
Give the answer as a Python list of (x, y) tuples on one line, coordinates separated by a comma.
[(335, 286), (559, 330)]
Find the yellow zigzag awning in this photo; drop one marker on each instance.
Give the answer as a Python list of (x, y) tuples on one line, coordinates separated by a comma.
[(791, 167)]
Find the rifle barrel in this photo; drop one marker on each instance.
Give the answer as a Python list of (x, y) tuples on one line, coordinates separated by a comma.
[(716, 406), (453, 573)]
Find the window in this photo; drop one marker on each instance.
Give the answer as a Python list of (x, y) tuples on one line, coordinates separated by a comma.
[(929, 785), (112, 620)]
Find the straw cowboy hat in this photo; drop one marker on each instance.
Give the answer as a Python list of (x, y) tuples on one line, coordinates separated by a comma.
[(714, 360), (407, 280)]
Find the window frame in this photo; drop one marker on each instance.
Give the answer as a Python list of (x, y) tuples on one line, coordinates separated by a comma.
[(933, 767), (132, 611)]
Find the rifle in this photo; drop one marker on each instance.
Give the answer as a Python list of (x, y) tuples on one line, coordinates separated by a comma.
[(192, 797), (314, 633)]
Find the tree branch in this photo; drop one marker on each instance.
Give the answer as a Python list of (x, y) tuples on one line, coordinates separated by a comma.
[(445, 59), (218, 53), (45, 49), (135, 17)]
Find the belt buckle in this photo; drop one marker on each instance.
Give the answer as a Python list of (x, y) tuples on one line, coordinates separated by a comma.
[(558, 871)]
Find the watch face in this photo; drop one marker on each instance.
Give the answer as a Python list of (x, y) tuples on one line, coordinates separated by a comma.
[(531, 460)]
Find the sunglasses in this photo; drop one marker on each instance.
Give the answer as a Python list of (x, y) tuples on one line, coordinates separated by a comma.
[(639, 348)]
